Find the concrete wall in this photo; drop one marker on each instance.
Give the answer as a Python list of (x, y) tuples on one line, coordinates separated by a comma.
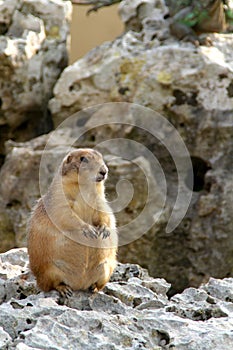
[(92, 30)]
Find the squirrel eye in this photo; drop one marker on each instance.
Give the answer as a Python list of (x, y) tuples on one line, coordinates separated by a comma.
[(84, 159)]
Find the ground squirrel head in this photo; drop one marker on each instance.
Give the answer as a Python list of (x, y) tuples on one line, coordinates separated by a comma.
[(84, 165)]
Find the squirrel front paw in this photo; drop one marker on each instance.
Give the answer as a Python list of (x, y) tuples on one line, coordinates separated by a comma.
[(90, 232), (103, 231)]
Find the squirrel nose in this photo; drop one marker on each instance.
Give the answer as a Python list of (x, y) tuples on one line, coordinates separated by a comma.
[(103, 171)]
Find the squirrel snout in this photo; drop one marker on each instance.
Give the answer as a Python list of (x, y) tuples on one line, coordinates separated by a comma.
[(102, 173)]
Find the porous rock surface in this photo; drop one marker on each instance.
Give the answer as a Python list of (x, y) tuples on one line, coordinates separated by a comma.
[(191, 87), (30, 177), (132, 312), (33, 52)]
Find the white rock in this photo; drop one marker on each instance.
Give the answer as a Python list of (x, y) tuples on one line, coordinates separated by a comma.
[(5, 339), (128, 314), (33, 52)]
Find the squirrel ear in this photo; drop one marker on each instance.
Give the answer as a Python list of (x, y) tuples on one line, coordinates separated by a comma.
[(65, 165), (69, 159)]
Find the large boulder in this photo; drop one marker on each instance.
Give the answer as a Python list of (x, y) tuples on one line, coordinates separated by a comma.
[(191, 87), (33, 52), (20, 185), (29, 169), (132, 312)]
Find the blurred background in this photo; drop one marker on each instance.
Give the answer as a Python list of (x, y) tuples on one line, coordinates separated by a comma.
[(88, 31)]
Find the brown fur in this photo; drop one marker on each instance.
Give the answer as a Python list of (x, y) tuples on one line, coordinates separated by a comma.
[(72, 244)]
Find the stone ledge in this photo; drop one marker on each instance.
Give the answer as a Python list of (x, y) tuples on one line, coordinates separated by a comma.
[(132, 312)]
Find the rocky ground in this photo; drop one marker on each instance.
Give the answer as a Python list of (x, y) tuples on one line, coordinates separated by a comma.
[(33, 53), (133, 312), (189, 86)]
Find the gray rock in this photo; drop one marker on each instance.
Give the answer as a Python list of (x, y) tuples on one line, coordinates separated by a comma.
[(7, 235), (5, 339), (146, 17), (23, 167), (196, 305), (33, 52), (219, 289), (20, 190), (189, 86), (105, 321), (192, 88), (32, 169), (14, 278)]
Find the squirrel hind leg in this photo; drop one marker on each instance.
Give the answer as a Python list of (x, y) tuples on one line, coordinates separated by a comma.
[(105, 271), (64, 290), (96, 287), (52, 278)]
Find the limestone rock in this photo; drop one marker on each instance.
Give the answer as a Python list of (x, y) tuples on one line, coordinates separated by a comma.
[(128, 314), (20, 185), (192, 88), (145, 16), (33, 52), (7, 235), (29, 169)]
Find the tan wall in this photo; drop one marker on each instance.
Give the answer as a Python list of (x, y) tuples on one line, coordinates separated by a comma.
[(89, 31)]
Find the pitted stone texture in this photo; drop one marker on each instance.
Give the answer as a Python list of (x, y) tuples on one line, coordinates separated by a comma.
[(33, 52), (102, 321), (192, 88), (29, 179)]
